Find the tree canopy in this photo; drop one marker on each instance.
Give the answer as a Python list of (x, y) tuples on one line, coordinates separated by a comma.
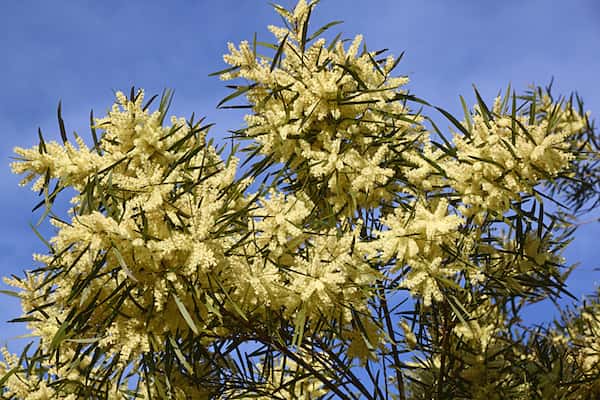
[(343, 247)]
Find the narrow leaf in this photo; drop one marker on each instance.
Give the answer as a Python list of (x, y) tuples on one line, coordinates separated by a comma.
[(124, 265), (454, 121), (59, 335), (231, 301), (180, 355), (279, 52), (84, 341), (396, 62), (323, 29), (39, 235), (305, 31), (186, 315), (485, 112), (94, 135), (42, 145), (61, 124), (8, 374), (513, 119), (149, 102), (467, 113), (240, 90), (532, 109), (224, 71), (10, 293), (299, 324)]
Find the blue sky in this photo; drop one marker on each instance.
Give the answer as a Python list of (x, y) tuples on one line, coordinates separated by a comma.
[(79, 52)]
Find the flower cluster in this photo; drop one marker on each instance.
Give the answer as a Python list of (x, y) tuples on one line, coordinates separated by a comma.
[(147, 216), (331, 114), (416, 238), (501, 155), (508, 156)]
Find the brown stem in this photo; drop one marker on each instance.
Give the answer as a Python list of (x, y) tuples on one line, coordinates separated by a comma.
[(390, 328), (446, 330)]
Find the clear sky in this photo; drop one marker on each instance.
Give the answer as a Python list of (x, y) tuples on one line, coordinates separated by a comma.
[(80, 51)]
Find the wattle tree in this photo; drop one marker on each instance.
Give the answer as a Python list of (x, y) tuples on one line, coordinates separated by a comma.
[(344, 247)]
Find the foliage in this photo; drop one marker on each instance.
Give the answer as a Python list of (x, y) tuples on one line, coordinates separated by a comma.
[(356, 253)]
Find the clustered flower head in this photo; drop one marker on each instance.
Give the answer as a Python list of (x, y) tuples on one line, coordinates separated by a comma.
[(506, 157), (331, 113), (149, 204)]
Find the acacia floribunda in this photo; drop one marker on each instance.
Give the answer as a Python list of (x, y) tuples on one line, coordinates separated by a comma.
[(358, 252)]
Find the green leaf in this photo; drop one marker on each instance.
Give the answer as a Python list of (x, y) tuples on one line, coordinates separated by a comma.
[(396, 62), (212, 309), (186, 315), (10, 293), (39, 235), (299, 324), (84, 341), (174, 129), (376, 65), (23, 319), (7, 375), (354, 75), (180, 355), (357, 102), (224, 71), (42, 145), (467, 114), (123, 264), (485, 112), (279, 52), (432, 163), (489, 161), (149, 102), (239, 107), (540, 220), (443, 148), (23, 355), (240, 90), (526, 132), (94, 135), (323, 29), (310, 113), (513, 119), (334, 41), (532, 109), (357, 323), (449, 147), (462, 311), (504, 103), (254, 45), (61, 124), (305, 31), (51, 197), (267, 45), (410, 97), (47, 201), (165, 103), (60, 334), (233, 303), (454, 121), (282, 11)]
